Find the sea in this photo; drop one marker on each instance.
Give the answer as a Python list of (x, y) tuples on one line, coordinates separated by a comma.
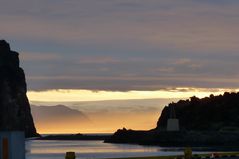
[(56, 149)]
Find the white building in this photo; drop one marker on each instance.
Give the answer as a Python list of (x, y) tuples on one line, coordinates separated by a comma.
[(173, 125), (12, 145), (173, 122)]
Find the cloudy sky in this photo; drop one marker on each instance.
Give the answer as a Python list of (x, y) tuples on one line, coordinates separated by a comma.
[(124, 44), (89, 50)]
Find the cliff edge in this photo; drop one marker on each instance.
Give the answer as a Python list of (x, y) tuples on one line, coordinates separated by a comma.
[(15, 113)]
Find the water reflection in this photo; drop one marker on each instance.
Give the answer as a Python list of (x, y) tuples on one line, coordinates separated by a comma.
[(40, 149)]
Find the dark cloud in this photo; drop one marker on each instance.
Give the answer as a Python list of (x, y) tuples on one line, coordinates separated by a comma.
[(124, 45)]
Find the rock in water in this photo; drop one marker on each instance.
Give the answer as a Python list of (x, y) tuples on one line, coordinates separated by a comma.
[(15, 113)]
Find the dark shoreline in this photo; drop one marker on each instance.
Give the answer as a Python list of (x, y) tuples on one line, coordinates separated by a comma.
[(217, 139), (74, 137), (209, 141)]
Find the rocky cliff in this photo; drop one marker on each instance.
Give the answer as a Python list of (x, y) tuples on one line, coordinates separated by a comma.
[(15, 113)]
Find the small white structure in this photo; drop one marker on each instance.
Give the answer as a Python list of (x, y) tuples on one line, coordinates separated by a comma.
[(173, 122), (172, 125), (12, 145)]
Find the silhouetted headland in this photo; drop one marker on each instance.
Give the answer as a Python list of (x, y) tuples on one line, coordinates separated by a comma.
[(210, 121), (15, 113)]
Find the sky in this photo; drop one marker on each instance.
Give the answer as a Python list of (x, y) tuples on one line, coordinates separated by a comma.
[(78, 50)]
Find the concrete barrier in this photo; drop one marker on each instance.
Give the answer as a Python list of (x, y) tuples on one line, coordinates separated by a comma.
[(12, 145)]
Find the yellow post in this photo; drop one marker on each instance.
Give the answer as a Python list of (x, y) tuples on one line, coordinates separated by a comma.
[(70, 155), (5, 150), (188, 153)]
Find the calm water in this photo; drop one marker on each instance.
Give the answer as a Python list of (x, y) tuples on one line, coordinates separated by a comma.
[(40, 149)]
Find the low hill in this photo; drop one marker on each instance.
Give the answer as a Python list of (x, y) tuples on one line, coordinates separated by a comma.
[(210, 121), (212, 113)]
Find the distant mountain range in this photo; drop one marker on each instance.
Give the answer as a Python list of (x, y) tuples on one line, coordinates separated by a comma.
[(56, 112), (57, 118), (106, 116)]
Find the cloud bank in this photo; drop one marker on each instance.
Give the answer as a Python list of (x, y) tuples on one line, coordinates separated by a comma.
[(124, 45)]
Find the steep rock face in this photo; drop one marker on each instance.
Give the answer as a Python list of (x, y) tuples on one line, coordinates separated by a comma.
[(212, 113), (15, 113)]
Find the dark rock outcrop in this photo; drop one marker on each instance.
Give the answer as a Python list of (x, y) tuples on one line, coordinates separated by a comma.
[(218, 139), (212, 113), (210, 121), (15, 113)]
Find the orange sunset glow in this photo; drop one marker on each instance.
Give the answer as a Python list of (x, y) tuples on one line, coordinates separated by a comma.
[(119, 79), (117, 115)]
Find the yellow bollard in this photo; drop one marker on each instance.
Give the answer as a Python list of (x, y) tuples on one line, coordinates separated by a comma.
[(188, 153), (70, 155)]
